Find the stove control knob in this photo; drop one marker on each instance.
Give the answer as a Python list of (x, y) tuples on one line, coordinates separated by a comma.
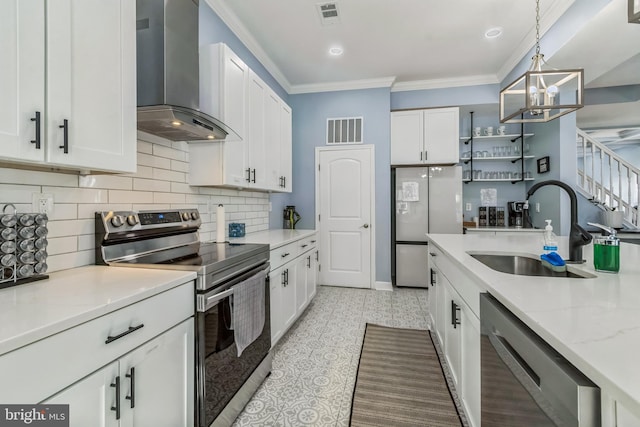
[(185, 216), (117, 221), (194, 215), (132, 220)]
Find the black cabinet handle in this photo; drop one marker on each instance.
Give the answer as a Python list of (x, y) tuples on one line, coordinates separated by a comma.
[(284, 255), (304, 246), (65, 144), (432, 253), (286, 277), (37, 120), (433, 276), (248, 174), (317, 256), (284, 181), (284, 282), (127, 332), (117, 405), (309, 261), (313, 241), (254, 176), (132, 377), (454, 314)]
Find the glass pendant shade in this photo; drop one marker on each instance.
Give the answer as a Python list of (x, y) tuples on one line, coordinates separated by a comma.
[(540, 95)]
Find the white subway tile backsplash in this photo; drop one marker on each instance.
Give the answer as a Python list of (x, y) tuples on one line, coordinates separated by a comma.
[(145, 147), (168, 198), (73, 227), (168, 175), (62, 245), (179, 166), (118, 196), (140, 184), (77, 195), (23, 176), (160, 183), (153, 161), (106, 181), (168, 152), (88, 210)]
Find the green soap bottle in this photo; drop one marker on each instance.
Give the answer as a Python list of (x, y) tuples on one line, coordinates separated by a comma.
[(606, 250)]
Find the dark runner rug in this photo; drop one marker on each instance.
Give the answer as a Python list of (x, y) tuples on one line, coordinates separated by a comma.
[(400, 381)]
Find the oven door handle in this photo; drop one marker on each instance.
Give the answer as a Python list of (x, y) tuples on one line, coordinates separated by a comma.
[(213, 300)]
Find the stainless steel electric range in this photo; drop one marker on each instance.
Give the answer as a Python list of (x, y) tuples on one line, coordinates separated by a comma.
[(170, 240)]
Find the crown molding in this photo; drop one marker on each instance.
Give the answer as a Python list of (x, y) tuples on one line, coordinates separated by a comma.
[(346, 85), (445, 83), (238, 28), (547, 20)]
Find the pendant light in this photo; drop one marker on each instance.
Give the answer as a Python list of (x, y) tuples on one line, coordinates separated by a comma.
[(543, 93)]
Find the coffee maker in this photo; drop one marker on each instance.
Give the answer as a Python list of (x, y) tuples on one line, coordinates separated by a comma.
[(290, 217), (517, 213)]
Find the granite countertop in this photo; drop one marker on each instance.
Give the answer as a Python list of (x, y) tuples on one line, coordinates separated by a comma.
[(36, 310), (594, 323), (275, 238)]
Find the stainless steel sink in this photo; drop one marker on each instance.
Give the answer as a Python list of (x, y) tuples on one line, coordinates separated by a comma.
[(522, 265)]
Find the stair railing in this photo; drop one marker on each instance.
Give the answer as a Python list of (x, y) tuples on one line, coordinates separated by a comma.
[(607, 177)]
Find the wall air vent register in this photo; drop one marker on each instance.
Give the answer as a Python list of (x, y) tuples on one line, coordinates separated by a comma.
[(345, 130)]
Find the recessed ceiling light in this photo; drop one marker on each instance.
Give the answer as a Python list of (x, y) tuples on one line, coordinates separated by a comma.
[(176, 123), (336, 51), (492, 33)]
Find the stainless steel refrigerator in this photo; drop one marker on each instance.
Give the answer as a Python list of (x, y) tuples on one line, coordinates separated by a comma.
[(425, 200)]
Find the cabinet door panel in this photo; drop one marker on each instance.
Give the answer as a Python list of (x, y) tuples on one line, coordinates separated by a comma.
[(289, 295), (90, 400), (301, 283), (470, 365), (312, 275), (21, 78), (441, 135), (273, 146), (285, 149), (275, 295), (91, 83), (407, 134), (256, 128), (163, 380)]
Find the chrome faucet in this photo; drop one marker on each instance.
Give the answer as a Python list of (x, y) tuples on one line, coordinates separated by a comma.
[(578, 236)]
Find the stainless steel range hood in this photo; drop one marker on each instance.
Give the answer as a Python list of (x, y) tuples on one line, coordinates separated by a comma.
[(167, 69)]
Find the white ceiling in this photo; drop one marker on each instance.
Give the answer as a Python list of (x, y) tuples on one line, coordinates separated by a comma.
[(416, 43)]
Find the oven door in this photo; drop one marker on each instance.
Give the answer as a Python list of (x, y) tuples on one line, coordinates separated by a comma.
[(524, 381), (220, 372)]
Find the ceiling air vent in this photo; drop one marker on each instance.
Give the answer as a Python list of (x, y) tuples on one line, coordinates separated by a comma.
[(328, 13), (343, 131)]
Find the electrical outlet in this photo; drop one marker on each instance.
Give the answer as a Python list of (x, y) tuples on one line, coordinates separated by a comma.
[(42, 203), (468, 207), (537, 207)]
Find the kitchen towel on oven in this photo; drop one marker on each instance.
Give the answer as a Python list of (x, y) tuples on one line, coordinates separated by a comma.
[(248, 310)]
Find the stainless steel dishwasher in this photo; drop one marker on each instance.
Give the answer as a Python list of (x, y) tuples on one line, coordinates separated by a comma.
[(524, 381)]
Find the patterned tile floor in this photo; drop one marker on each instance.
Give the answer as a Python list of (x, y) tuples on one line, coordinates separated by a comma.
[(315, 363)]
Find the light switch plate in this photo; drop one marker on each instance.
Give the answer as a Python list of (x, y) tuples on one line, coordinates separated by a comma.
[(468, 207)]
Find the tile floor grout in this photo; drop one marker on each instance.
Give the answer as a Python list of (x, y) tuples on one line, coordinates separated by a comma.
[(315, 362)]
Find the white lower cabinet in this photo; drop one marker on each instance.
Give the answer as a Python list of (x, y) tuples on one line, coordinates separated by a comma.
[(293, 280), (149, 386), (457, 328)]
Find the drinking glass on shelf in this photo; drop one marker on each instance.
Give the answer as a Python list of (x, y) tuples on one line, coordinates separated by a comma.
[(507, 151), (516, 150), (496, 151)]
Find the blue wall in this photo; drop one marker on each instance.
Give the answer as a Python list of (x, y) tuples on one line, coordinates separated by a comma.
[(310, 114)]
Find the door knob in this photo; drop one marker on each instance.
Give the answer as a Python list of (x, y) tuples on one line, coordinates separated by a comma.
[(366, 225)]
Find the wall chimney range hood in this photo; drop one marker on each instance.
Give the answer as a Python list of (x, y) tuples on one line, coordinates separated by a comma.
[(168, 73)]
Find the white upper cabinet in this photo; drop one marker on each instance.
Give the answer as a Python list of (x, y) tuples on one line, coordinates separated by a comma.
[(22, 79), (429, 136), (232, 92), (224, 88), (89, 120)]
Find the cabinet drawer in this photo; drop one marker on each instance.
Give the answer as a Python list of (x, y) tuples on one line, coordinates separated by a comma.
[(49, 365), (307, 243), (284, 254)]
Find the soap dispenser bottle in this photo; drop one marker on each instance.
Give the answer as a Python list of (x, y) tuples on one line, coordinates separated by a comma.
[(606, 250), (550, 239)]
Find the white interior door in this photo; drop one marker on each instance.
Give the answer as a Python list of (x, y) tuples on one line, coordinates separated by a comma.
[(345, 188)]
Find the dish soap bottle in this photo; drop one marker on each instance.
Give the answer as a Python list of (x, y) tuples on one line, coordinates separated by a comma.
[(550, 239), (606, 250)]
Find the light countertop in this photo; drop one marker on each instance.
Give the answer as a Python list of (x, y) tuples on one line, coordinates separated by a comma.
[(68, 298), (594, 323), (275, 237), (504, 229)]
